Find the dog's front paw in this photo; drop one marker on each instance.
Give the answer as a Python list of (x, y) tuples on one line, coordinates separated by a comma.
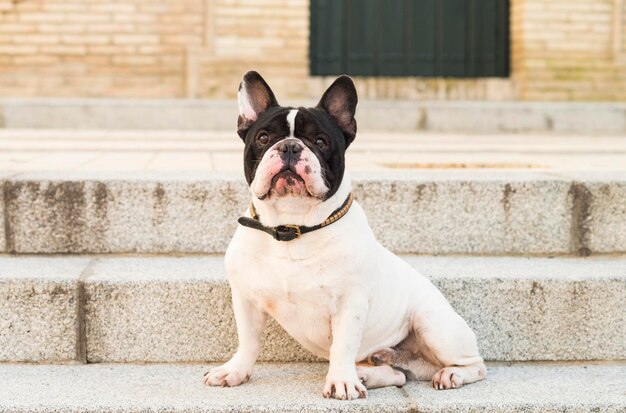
[(227, 375), (344, 386)]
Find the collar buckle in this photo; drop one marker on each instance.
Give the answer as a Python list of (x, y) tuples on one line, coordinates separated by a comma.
[(287, 232)]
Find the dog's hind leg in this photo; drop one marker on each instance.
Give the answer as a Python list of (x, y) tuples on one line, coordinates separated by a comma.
[(374, 377), (441, 347), (445, 340), (455, 376), (407, 358)]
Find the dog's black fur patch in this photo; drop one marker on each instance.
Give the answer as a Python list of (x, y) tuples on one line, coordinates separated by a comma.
[(331, 120)]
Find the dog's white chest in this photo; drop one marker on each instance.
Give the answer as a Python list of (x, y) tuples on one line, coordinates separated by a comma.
[(305, 284), (302, 298)]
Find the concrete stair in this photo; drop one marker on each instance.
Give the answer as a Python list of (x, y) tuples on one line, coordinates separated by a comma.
[(519, 388), (175, 150), (101, 273), (177, 309), (441, 116), (447, 212)]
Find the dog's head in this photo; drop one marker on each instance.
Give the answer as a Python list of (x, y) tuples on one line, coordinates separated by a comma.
[(296, 152)]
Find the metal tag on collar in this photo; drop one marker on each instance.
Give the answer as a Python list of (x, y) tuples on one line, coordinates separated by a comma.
[(287, 232)]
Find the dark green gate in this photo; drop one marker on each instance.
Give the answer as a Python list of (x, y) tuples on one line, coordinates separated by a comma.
[(460, 38)]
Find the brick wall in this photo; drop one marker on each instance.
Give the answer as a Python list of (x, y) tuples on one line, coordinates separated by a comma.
[(561, 49), (97, 47), (570, 49), (270, 36)]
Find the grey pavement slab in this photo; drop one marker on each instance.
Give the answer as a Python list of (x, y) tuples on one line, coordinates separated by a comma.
[(451, 212), (118, 113), (598, 208), (176, 388), (2, 227), (2, 223), (178, 309), (168, 309), (475, 116), (3, 177), (537, 308), (121, 215), (23, 150), (40, 308), (607, 211), (532, 387), (296, 387), (560, 117), (503, 213)]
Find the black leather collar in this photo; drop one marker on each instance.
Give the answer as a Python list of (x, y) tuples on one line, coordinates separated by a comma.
[(291, 232)]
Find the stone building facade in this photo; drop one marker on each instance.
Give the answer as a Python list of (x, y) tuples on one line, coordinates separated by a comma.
[(559, 50)]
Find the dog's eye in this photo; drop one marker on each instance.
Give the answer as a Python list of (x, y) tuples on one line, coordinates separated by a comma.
[(263, 138), (321, 142)]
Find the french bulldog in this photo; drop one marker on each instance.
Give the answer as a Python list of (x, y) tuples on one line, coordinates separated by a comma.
[(305, 255)]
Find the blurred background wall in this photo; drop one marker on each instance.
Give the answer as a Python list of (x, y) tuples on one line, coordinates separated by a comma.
[(553, 50)]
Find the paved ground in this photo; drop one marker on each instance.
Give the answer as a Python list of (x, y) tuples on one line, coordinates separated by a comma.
[(175, 150), (296, 387)]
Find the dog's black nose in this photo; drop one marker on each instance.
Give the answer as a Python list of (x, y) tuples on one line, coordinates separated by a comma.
[(289, 147)]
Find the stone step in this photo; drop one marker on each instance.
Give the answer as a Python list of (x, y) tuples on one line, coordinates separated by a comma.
[(447, 212), (296, 387), (177, 309), (26, 150), (470, 116)]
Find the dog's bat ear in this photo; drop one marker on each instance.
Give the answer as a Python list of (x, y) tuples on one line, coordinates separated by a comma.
[(254, 97), (339, 101)]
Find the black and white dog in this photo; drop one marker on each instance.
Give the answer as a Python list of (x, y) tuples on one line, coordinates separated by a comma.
[(306, 255)]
